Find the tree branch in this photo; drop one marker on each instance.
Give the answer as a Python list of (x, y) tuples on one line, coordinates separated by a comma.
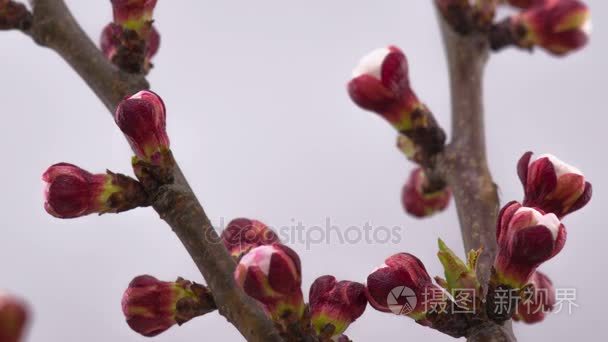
[(463, 164), (54, 26)]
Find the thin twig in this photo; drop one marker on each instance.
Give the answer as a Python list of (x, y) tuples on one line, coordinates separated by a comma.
[(54, 26)]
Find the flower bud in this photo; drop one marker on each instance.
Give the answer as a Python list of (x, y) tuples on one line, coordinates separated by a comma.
[(336, 303), (402, 286), (242, 234), (142, 118), (13, 317), (272, 275), (526, 238), (552, 185), (152, 306), (129, 52), (381, 84), (558, 26), (420, 201), (540, 301), (73, 192), (133, 14)]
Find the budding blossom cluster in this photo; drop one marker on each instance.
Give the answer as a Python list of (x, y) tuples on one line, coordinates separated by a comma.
[(271, 273), (381, 84), (530, 234), (131, 40), (73, 192), (527, 235), (558, 26), (267, 271)]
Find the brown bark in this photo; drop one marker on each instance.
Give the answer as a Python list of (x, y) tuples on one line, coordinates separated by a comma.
[(53, 26), (463, 164)]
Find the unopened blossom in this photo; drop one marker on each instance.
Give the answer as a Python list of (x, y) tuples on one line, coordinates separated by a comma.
[(243, 234), (419, 200), (526, 238), (402, 286), (552, 185), (272, 275), (152, 306), (73, 192), (558, 26), (541, 300), (338, 303), (142, 118)]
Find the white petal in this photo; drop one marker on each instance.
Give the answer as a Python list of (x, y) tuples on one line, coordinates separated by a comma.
[(548, 220), (139, 95), (561, 168), (371, 64), (260, 257), (587, 26)]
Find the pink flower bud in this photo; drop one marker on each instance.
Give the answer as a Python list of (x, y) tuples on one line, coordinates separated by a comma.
[(272, 275), (552, 185), (402, 286), (526, 237), (336, 303), (152, 306), (558, 26), (13, 317), (418, 201), (133, 14), (142, 119), (242, 235), (380, 84), (541, 301), (73, 192)]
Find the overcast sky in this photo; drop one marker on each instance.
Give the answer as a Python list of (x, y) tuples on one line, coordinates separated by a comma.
[(261, 124)]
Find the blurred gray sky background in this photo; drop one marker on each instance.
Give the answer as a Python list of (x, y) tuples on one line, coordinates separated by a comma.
[(261, 123)]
